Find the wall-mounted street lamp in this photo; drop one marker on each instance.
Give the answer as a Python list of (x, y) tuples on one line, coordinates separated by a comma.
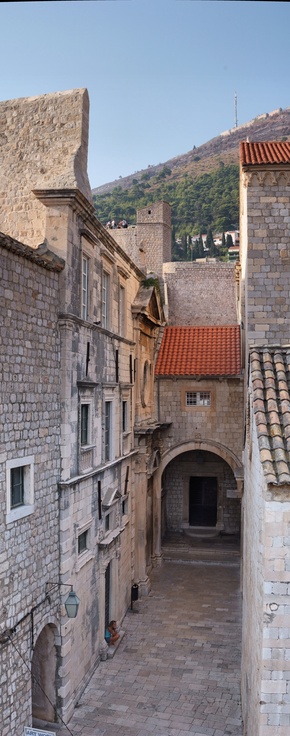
[(71, 606), (71, 603)]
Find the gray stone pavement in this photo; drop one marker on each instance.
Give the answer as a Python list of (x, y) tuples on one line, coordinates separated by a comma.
[(177, 670)]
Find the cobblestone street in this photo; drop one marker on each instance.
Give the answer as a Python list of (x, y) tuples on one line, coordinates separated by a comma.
[(177, 670)]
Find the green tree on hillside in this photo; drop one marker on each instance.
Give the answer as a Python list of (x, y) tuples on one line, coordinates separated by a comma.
[(209, 201)]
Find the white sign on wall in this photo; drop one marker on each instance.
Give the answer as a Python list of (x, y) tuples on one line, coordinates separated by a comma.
[(36, 732)]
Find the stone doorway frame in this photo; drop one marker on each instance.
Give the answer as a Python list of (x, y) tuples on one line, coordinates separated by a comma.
[(44, 673)]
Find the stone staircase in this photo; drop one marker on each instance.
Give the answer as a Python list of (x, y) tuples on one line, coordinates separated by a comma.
[(200, 546)]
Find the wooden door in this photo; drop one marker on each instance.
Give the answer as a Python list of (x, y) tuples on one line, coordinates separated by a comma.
[(202, 501)]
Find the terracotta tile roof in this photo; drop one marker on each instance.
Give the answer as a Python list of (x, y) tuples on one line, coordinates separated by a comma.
[(268, 152), (200, 351), (270, 370)]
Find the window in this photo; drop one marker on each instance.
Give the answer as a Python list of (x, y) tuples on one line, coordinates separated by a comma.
[(83, 545), (17, 487), (85, 429), (121, 310), (106, 300), (145, 388), (108, 430), (107, 523), (20, 488), (197, 398), (85, 287), (83, 541), (124, 416), (125, 506)]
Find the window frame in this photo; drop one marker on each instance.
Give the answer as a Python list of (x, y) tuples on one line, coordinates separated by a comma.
[(106, 300), (203, 398), (85, 287), (108, 429), (86, 554), (124, 416), (122, 310), (26, 507), (83, 535), (86, 404)]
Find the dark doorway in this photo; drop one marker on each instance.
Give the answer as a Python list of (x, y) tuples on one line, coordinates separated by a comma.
[(43, 672), (107, 594), (202, 501)]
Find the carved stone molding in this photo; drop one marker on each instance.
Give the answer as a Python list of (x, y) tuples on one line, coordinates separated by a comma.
[(266, 177)]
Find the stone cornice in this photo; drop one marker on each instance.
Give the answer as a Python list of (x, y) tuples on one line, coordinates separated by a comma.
[(81, 205), (265, 175)]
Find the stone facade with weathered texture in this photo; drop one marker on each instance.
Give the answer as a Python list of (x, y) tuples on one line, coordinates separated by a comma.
[(265, 256), (202, 441), (44, 144), (30, 412), (200, 293), (149, 241), (90, 355), (265, 302), (194, 294)]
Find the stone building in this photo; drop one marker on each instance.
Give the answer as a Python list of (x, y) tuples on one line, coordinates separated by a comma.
[(79, 333), (265, 307), (200, 397), (198, 385), (123, 384), (29, 476)]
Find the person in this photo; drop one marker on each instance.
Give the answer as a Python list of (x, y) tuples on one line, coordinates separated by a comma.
[(111, 634)]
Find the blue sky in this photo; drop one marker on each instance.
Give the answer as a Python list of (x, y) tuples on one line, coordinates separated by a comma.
[(161, 74)]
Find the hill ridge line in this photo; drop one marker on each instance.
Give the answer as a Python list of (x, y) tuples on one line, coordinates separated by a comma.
[(260, 127)]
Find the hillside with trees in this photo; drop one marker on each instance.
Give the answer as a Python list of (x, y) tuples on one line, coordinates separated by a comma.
[(201, 186)]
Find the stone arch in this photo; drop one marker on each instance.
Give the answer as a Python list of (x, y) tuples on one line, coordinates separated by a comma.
[(200, 488), (44, 673), (204, 445)]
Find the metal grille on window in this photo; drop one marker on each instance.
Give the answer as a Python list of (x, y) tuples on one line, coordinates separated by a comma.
[(197, 398)]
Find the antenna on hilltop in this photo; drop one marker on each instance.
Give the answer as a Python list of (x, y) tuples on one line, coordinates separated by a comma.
[(236, 110)]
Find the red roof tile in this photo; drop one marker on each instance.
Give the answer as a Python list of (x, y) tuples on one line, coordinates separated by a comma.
[(200, 351), (269, 368), (269, 152)]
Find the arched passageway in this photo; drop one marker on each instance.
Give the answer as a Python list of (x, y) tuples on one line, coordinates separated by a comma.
[(199, 489), (44, 667)]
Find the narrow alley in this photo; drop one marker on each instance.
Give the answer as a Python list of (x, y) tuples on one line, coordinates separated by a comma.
[(177, 670)]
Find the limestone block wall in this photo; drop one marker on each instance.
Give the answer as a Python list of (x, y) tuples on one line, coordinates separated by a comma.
[(127, 238), (266, 270), (149, 242), (266, 610), (253, 586), (275, 665), (200, 294), (175, 483), (222, 422), (43, 146), (30, 413)]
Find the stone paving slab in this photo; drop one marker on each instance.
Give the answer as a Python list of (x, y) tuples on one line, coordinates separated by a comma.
[(177, 670)]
